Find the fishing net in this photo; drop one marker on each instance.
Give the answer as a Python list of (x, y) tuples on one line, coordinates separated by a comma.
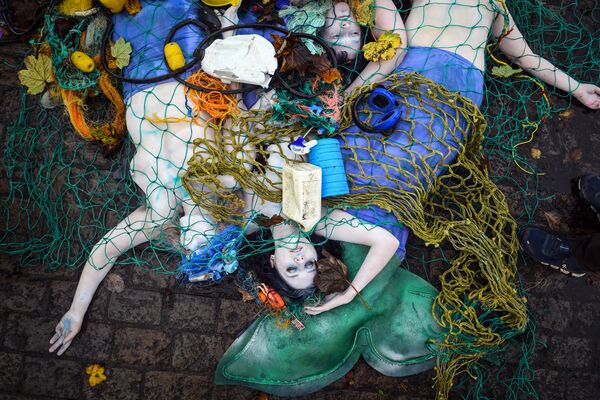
[(192, 174)]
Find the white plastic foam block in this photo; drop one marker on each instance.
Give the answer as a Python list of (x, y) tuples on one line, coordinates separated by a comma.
[(241, 58), (302, 193)]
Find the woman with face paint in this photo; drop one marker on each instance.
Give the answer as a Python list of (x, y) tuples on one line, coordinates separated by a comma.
[(345, 35)]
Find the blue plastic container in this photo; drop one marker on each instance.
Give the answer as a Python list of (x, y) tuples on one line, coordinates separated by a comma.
[(328, 155)]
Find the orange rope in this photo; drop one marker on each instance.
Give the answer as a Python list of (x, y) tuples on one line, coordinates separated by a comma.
[(113, 95), (110, 134), (216, 104), (73, 104)]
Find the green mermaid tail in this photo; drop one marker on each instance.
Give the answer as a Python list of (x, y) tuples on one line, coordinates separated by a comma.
[(393, 337)]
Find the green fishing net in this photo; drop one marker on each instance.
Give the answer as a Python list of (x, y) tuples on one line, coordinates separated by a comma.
[(66, 193)]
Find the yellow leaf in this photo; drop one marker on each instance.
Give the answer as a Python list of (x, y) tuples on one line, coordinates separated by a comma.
[(37, 72), (393, 38), (384, 48), (566, 114), (121, 51), (96, 373), (505, 71), (536, 153)]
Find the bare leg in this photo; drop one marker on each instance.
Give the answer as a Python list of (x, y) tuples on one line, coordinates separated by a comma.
[(196, 226)]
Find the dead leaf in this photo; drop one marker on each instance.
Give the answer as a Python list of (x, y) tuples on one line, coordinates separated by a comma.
[(133, 7), (536, 153), (269, 13), (331, 274), (553, 219), (350, 378), (505, 71), (38, 71), (121, 51), (331, 75), (293, 56), (265, 222), (567, 114), (263, 396), (114, 283), (245, 295), (576, 155)]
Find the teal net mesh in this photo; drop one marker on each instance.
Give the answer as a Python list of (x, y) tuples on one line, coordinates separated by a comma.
[(65, 193)]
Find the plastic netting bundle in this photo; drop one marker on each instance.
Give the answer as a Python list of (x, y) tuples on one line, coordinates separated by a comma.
[(65, 194), (396, 171)]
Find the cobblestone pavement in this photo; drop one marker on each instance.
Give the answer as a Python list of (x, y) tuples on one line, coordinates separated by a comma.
[(158, 340)]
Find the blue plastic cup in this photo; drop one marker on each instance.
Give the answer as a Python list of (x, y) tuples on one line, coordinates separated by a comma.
[(328, 155)]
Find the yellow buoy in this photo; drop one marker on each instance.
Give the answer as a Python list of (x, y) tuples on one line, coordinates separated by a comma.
[(72, 7), (115, 6), (221, 3), (82, 61), (174, 56)]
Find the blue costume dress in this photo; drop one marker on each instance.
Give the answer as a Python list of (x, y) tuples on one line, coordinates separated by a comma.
[(395, 335), (147, 32), (373, 162)]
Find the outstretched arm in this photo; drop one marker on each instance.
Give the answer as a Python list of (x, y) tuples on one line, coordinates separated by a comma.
[(515, 47), (342, 226), (387, 19), (132, 231)]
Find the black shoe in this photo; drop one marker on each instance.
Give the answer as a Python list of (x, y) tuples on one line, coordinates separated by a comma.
[(589, 190), (550, 250)]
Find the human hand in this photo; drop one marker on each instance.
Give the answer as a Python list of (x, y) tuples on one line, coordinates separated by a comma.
[(68, 327), (330, 302), (588, 95)]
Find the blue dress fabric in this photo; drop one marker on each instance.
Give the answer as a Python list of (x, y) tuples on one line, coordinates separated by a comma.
[(147, 32), (374, 161)]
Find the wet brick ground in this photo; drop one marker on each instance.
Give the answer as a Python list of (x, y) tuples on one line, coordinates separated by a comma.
[(161, 341)]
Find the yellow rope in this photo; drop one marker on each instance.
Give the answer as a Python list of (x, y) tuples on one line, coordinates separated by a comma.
[(462, 205)]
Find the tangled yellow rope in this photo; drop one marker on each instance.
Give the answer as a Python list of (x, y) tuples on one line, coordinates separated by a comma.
[(478, 300)]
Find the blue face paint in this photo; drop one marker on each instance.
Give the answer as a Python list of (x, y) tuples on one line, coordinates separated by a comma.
[(66, 326)]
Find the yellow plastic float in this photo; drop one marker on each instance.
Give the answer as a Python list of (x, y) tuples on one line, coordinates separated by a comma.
[(115, 6), (174, 56), (221, 3), (82, 61)]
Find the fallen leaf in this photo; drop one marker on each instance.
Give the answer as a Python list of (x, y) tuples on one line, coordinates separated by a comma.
[(384, 48), (133, 7), (576, 155), (350, 378), (121, 51), (37, 72), (553, 219), (505, 71), (114, 283), (331, 75), (265, 222), (566, 114), (245, 295), (536, 153), (263, 396), (331, 274), (293, 56)]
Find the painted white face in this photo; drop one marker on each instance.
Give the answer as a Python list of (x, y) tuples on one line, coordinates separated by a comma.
[(296, 264), (342, 32)]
